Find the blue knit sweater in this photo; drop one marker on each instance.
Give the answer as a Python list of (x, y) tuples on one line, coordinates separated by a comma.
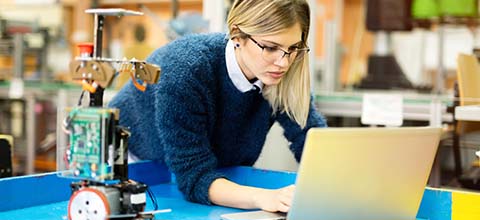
[(196, 120)]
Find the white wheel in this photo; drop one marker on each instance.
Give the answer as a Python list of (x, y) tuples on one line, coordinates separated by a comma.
[(88, 204)]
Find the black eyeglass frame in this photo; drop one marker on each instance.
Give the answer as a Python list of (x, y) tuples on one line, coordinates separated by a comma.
[(305, 49)]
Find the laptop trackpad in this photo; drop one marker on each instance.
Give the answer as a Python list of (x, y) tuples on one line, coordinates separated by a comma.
[(254, 215)]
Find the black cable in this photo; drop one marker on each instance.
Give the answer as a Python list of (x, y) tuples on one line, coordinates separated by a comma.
[(81, 98), (153, 198), (68, 119)]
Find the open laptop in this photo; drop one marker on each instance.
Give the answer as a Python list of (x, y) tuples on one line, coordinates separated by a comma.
[(361, 174)]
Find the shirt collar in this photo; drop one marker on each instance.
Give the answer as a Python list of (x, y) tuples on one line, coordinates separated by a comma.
[(235, 73)]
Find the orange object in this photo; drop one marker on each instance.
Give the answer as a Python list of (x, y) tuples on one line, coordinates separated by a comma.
[(88, 87), (137, 85), (125, 69)]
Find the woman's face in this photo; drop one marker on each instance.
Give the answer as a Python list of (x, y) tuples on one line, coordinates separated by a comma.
[(259, 63)]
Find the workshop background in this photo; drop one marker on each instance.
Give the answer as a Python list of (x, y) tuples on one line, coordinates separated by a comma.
[(413, 49)]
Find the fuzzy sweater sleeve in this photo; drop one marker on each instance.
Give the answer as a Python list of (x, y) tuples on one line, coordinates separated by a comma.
[(295, 134), (183, 114), (182, 124)]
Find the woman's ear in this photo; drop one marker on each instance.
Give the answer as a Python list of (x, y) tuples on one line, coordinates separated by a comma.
[(236, 42)]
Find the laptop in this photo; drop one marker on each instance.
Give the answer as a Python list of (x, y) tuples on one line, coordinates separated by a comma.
[(361, 174)]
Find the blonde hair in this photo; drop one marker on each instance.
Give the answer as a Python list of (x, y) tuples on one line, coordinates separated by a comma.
[(265, 17)]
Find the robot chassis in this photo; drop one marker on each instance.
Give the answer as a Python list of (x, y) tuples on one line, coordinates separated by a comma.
[(97, 153)]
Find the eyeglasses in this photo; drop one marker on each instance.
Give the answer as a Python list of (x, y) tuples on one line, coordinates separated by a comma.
[(273, 54)]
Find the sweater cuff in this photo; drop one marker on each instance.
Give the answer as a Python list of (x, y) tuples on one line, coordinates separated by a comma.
[(203, 185)]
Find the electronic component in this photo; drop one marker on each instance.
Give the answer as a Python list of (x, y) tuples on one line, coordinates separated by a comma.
[(91, 134), (93, 200), (98, 146)]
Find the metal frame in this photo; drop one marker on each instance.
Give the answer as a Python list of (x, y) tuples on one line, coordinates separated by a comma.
[(431, 108)]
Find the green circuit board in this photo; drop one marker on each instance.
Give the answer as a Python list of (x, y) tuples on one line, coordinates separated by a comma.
[(89, 143)]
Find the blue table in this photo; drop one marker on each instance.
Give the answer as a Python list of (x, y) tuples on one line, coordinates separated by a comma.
[(46, 196)]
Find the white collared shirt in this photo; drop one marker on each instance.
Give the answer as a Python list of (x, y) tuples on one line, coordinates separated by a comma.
[(235, 73)]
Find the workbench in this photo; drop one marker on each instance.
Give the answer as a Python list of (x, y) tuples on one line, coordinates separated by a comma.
[(45, 196)]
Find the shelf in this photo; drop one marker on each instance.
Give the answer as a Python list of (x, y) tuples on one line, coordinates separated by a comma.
[(121, 2), (467, 113)]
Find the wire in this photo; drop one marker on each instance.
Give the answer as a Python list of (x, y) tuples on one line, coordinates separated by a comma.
[(67, 121), (153, 198), (129, 68), (66, 157), (136, 84), (81, 98)]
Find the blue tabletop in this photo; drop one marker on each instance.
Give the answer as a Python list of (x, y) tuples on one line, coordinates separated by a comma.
[(167, 195), (46, 196)]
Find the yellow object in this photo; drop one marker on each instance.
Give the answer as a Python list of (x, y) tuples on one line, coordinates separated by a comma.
[(465, 205), (468, 78), (88, 87)]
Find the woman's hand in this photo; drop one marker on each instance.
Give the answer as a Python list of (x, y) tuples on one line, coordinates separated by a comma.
[(227, 193), (278, 200)]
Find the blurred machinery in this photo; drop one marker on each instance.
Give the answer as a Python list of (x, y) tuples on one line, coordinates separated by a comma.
[(427, 13), (387, 16), (17, 56), (383, 18), (6, 151), (23, 56), (98, 146)]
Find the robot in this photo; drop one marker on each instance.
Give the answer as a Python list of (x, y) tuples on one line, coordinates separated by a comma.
[(98, 147)]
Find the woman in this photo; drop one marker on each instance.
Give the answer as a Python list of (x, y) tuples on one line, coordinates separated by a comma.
[(219, 95)]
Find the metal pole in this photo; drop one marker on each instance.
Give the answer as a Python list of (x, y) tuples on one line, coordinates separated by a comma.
[(330, 41), (96, 98), (31, 137), (18, 49), (62, 103), (214, 12), (45, 76), (439, 82), (98, 35)]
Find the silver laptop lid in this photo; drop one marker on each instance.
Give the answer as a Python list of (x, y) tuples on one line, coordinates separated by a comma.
[(364, 173)]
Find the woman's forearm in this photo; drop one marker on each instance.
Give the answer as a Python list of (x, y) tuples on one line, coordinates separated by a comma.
[(226, 193)]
